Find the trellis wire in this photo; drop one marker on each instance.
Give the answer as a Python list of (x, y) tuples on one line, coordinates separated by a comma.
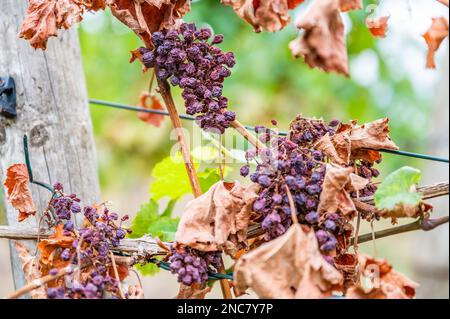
[(211, 276), (192, 118)]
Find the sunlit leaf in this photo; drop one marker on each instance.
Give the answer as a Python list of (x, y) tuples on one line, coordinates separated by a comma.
[(398, 188)]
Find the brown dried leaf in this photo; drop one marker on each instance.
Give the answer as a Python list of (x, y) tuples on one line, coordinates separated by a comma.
[(356, 183), (19, 194), (378, 26), (403, 210), (380, 281), (44, 18), (292, 4), (30, 269), (193, 292), (347, 264), (349, 5), (151, 102), (334, 196), (434, 36), (323, 42), (373, 135), (337, 147), (357, 142), (289, 266), (267, 15), (147, 16), (94, 5), (50, 250), (218, 219)]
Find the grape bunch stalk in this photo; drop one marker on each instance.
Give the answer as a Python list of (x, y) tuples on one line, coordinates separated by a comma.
[(185, 58), (192, 266), (91, 247)]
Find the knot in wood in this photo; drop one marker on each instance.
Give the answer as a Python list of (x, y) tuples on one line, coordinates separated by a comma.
[(39, 135)]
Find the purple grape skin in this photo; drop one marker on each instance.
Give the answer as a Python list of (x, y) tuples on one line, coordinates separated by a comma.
[(329, 245), (187, 60), (330, 225), (322, 236), (100, 235), (312, 217), (191, 266), (245, 170)]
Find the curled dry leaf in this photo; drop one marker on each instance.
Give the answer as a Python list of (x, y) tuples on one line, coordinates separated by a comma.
[(19, 194), (402, 210), (147, 16), (349, 5), (50, 250), (323, 43), (377, 26), (30, 268), (151, 102), (357, 142), (380, 281), (218, 219), (193, 292), (335, 195), (44, 18), (434, 36), (289, 266), (347, 264), (267, 15), (337, 147), (374, 136)]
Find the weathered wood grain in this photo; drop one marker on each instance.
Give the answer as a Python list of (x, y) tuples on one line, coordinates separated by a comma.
[(52, 111)]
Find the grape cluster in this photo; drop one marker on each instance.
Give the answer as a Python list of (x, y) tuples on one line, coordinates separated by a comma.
[(282, 163), (293, 162), (192, 266), (91, 245), (186, 58), (365, 169), (305, 132)]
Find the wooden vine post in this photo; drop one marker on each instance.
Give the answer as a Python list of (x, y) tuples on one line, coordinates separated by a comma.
[(52, 109)]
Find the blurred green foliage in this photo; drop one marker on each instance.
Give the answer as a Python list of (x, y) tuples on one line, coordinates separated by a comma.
[(267, 83)]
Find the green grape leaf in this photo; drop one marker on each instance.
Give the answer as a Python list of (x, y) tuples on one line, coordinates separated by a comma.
[(169, 209), (171, 179), (148, 213), (164, 228), (396, 189), (149, 269), (208, 178), (148, 221)]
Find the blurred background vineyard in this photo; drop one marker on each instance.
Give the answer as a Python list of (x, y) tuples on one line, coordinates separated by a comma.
[(388, 79)]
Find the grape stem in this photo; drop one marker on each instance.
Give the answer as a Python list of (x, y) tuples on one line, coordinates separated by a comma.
[(247, 135), (164, 90), (422, 223), (292, 205), (116, 274)]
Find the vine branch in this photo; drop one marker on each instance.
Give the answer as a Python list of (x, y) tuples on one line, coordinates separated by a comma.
[(164, 90), (420, 224)]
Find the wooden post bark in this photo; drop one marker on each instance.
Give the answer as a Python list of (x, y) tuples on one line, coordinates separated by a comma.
[(52, 110)]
